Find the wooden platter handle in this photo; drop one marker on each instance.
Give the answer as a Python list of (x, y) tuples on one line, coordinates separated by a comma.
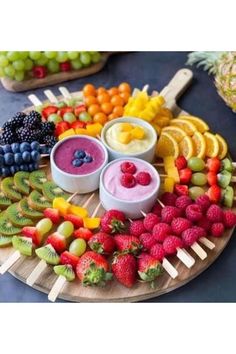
[(177, 85)]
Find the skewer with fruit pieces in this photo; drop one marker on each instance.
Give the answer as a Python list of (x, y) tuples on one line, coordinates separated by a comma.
[(25, 244), (63, 233), (66, 269)]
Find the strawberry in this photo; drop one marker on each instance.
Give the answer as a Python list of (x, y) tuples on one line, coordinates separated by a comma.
[(124, 267), (33, 233), (149, 268), (214, 193), (128, 243), (69, 258), (211, 178), (181, 162), (113, 221), (77, 221), (57, 241), (53, 214), (102, 243), (79, 109), (92, 269), (181, 189), (213, 164), (49, 110), (39, 71), (83, 233), (78, 125), (185, 175), (66, 66), (64, 110), (61, 127)]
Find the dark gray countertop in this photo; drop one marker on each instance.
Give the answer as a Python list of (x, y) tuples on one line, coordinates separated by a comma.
[(217, 283)]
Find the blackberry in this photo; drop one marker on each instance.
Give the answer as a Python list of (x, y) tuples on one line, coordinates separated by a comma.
[(16, 121), (50, 140), (25, 134), (8, 136), (47, 128), (33, 120)]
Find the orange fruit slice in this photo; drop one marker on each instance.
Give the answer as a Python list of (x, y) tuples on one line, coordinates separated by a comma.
[(223, 147), (199, 144), (167, 146), (186, 125), (199, 123), (212, 145), (177, 133), (186, 147)]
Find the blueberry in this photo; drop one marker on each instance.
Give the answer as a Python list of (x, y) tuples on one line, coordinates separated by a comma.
[(6, 171), (13, 169), (15, 147), (88, 159), (18, 158), (77, 163), (24, 168), (26, 156), (25, 147), (43, 149), (9, 158), (17, 168), (79, 154), (1, 161), (35, 145), (49, 150), (6, 148), (31, 167), (36, 166), (35, 155), (1, 151)]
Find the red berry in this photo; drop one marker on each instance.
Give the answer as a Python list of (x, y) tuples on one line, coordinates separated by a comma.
[(124, 267), (200, 231), (128, 243), (203, 201), (205, 223), (39, 71), (128, 180), (32, 232), (214, 193), (113, 221), (211, 178), (79, 109), (128, 167), (179, 225), (213, 164), (77, 125), (69, 258), (137, 228), (168, 213), (156, 209), (182, 202), (171, 243), (102, 243), (149, 268), (147, 240), (66, 66), (53, 214), (185, 175), (57, 241), (49, 110), (83, 233), (150, 221), (77, 221), (214, 213), (157, 251), (193, 212), (61, 127), (217, 229), (189, 236), (181, 162), (229, 219), (64, 110), (143, 178), (181, 189), (168, 198), (160, 231)]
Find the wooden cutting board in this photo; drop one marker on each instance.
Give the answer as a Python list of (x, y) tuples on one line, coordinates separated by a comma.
[(114, 292)]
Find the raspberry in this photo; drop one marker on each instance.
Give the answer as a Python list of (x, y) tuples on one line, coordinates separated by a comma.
[(160, 231), (147, 240), (181, 162), (128, 180), (182, 202), (203, 201), (217, 229), (156, 209), (214, 213), (171, 243), (189, 236), (193, 212), (168, 213), (143, 178), (157, 251), (205, 223), (229, 219), (136, 228), (150, 221), (179, 225), (128, 167), (168, 198), (199, 231)]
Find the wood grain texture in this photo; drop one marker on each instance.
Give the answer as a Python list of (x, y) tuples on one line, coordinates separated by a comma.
[(114, 292)]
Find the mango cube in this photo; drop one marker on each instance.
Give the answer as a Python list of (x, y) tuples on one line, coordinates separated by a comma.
[(81, 131), (94, 129), (169, 162), (169, 184), (126, 127), (124, 137), (138, 133), (62, 205), (92, 223), (78, 211), (67, 133), (173, 173)]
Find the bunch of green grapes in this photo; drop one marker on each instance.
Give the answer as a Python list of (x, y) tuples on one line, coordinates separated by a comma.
[(21, 65)]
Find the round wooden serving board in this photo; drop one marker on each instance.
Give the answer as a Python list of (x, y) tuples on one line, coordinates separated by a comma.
[(114, 292)]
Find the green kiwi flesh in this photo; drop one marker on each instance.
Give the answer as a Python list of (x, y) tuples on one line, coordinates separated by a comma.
[(27, 211), (5, 241), (48, 254), (7, 228), (37, 201), (23, 244), (9, 189), (21, 180), (16, 217), (66, 271), (37, 179), (4, 200), (51, 191)]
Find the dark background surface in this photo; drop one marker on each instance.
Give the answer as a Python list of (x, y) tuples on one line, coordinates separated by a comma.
[(217, 283)]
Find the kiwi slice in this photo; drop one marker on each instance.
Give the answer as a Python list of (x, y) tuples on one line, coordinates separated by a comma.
[(51, 191), (27, 211), (21, 181), (66, 271), (228, 197), (4, 201), (9, 189), (48, 254), (23, 244), (5, 241), (37, 179), (37, 201), (16, 217), (7, 228)]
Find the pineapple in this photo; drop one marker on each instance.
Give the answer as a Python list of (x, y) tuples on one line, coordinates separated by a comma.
[(223, 66)]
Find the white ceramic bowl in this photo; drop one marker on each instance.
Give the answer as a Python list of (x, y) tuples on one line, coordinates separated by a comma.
[(131, 208), (72, 183), (147, 155)]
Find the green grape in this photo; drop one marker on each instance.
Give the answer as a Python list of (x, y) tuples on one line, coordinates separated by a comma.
[(44, 226), (2, 74), (199, 179), (3, 61), (78, 247), (50, 55), (42, 60), (196, 164), (35, 55), (96, 57), (9, 71), (85, 58), (66, 228), (195, 192), (61, 57), (55, 118), (53, 66), (73, 55), (23, 55), (19, 65), (19, 75), (76, 64), (28, 64), (69, 117), (61, 104), (12, 56)]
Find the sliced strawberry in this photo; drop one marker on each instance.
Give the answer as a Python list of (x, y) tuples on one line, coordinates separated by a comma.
[(64, 110), (181, 189), (214, 193), (52, 214), (69, 258), (49, 110), (84, 233), (78, 124), (79, 109), (213, 164), (61, 128), (211, 178), (66, 66), (32, 232), (185, 175), (77, 221), (57, 241)]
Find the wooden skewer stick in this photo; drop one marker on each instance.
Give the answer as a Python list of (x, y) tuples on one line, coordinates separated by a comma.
[(207, 243), (9, 262), (65, 93), (35, 100), (50, 95), (158, 164), (61, 281), (160, 202), (145, 88)]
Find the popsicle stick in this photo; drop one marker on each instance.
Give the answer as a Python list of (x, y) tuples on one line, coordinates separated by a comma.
[(199, 251), (65, 93), (158, 164), (44, 155), (234, 164), (71, 197), (185, 257), (57, 288), (96, 210), (145, 88), (50, 95), (161, 204), (42, 166), (207, 243), (169, 268), (35, 100), (135, 92), (34, 275), (9, 262), (233, 179), (88, 200), (154, 93), (162, 175)]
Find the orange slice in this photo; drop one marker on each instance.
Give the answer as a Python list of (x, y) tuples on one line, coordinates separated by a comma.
[(177, 133), (167, 146), (199, 144), (212, 145), (186, 147), (199, 123), (223, 147), (186, 125)]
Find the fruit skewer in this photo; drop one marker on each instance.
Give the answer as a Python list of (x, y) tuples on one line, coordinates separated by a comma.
[(42, 265), (61, 280)]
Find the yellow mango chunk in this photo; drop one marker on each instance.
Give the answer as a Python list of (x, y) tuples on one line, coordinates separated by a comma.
[(78, 211), (81, 131), (92, 223), (173, 173), (126, 127), (169, 184), (169, 162), (67, 133), (62, 205), (138, 133), (94, 129), (124, 137)]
